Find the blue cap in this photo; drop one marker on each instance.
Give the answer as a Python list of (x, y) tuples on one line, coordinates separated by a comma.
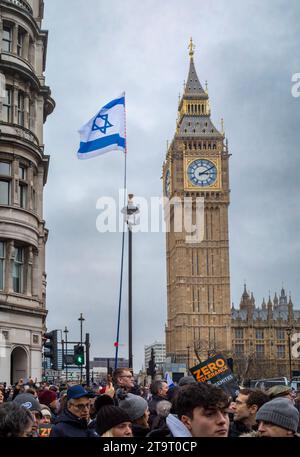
[(77, 392)]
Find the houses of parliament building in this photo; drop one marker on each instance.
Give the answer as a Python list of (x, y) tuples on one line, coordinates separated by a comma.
[(200, 318)]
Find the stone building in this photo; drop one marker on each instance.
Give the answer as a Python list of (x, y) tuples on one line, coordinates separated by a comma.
[(25, 103), (200, 320), (260, 336), (198, 280)]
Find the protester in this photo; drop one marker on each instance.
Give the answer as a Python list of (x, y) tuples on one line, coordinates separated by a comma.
[(15, 421), (123, 382), (48, 397), (201, 411), (163, 409), (278, 418), (280, 391), (112, 422), (137, 409), (246, 404), (75, 418), (159, 390)]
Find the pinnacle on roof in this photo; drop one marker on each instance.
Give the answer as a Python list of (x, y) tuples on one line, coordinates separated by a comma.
[(193, 85)]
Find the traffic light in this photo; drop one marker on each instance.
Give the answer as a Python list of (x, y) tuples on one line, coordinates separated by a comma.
[(79, 355), (52, 345)]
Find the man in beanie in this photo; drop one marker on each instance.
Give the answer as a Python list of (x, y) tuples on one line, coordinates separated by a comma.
[(112, 422), (75, 418), (278, 418), (49, 398), (29, 402)]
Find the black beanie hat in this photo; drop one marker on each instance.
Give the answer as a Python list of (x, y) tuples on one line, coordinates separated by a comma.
[(108, 417), (102, 400)]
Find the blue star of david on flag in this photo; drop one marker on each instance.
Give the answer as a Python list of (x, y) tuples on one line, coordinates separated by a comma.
[(105, 126), (105, 131)]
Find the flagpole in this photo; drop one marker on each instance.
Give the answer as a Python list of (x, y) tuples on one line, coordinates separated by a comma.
[(123, 243)]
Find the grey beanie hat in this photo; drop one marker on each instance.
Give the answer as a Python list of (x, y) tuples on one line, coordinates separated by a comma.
[(281, 412), (186, 380), (134, 405)]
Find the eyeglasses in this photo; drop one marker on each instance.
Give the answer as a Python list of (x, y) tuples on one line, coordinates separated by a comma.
[(81, 406)]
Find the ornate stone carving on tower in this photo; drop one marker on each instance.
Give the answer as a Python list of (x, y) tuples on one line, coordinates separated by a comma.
[(25, 103), (198, 279)]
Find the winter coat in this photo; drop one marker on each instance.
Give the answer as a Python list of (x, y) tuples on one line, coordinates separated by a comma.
[(139, 431), (237, 428), (67, 425), (152, 408)]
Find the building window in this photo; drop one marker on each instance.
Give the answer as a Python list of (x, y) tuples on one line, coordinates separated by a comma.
[(239, 333), (260, 350), (21, 106), (2, 264), (7, 38), (259, 334), (22, 186), (7, 106), (20, 43), (5, 168), (280, 334), (281, 351), (18, 270), (239, 349), (4, 192)]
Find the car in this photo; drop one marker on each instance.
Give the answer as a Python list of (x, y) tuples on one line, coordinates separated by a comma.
[(268, 382)]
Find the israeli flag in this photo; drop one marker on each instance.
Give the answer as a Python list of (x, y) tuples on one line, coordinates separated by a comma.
[(105, 131), (169, 380)]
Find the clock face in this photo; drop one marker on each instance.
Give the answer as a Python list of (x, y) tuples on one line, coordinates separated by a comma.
[(167, 183), (202, 173)]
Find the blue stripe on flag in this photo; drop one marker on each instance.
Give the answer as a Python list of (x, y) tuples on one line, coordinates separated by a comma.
[(101, 143), (117, 101)]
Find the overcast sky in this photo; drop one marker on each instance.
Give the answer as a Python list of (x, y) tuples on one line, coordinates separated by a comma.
[(248, 52)]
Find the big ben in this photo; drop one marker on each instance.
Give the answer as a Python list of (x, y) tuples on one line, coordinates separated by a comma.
[(198, 278)]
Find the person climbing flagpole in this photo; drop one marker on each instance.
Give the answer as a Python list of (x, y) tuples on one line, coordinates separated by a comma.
[(105, 132)]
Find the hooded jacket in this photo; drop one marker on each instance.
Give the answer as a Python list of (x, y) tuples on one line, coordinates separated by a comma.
[(69, 425)]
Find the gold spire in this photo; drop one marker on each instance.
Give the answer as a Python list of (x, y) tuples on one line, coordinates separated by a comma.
[(191, 48), (206, 87)]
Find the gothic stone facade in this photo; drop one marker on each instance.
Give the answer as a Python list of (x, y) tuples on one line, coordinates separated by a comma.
[(260, 341), (200, 320), (25, 104), (198, 280)]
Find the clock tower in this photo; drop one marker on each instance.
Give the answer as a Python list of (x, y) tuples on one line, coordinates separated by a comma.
[(198, 278)]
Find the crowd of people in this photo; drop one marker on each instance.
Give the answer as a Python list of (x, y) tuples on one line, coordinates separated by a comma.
[(121, 408)]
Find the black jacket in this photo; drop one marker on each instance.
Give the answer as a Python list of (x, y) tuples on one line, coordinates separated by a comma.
[(68, 425), (160, 433), (139, 431), (152, 407), (237, 428)]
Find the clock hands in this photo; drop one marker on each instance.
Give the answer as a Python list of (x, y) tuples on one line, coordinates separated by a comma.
[(206, 171)]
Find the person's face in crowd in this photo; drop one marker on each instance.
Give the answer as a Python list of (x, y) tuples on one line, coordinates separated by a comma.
[(242, 411), (54, 405), (80, 407), (28, 431), (1, 397), (273, 431), (126, 379), (122, 430), (46, 418), (147, 414), (164, 390), (207, 423), (37, 420)]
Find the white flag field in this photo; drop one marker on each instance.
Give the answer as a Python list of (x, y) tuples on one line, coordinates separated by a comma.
[(105, 131)]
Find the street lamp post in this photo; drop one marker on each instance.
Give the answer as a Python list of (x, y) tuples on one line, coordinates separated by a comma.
[(289, 332), (66, 331), (130, 211), (81, 319)]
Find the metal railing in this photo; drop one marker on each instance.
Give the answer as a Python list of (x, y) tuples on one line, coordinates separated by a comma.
[(22, 4)]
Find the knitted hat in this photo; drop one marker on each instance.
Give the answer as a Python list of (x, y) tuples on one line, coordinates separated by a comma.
[(277, 391), (103, 400), (186, 380), (108, 417), (134, 405), (47, 397), (28, 401), (281, 412)]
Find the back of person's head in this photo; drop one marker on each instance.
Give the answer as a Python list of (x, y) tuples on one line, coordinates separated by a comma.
[(14, 420), (134, 405), (102, 400), (255, 397), (201, 395), (163, 408)]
